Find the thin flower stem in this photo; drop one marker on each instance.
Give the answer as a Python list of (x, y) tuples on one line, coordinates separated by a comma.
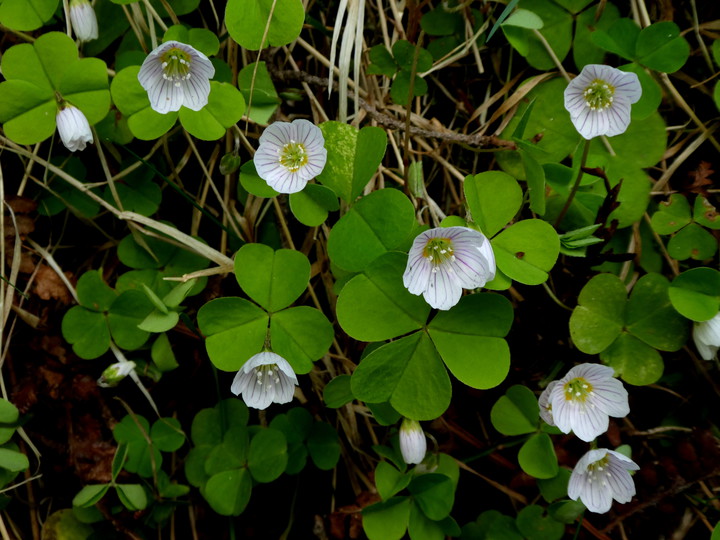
[(576, 185)]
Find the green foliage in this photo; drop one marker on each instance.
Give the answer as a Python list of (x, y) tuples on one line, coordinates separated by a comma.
[(627, 332), (246, 22), (40, 77)]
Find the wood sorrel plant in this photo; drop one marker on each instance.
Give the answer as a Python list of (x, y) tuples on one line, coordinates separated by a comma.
[(245, 295)]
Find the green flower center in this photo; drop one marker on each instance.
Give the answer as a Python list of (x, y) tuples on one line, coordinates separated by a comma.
[(293, 156), (599, 94), (176, 65), (438, 251), (577, 389)]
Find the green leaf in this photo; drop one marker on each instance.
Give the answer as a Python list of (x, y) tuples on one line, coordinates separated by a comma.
[(636, 362), (651, 92), (400, 89), (619, 39), (599, 317), (705, 214), (90, 495), (86, 331), (311, 205), (353, 157), (228, 492), (137, 194), (12, 460), (477, 322), (301, 335), (93, 293), (661, 47), (337, 392), (671, 215), (527, 250), (162, 353), (389, 481), (264, 97), (323, 445), (40, 74), (235, 330), (225, 107), (537, 456), (386, 520), (375, 305), (695, 294), (381, 62), (9, 413), (650, 316), (524, 19), (535, 177), (124, 316), (534, 525), (557, 30), (25, 15), (556, 487), (584, 50), (377, 223), (167, 434), (404, 52), (274, 279), (201, 39), (132, 496), (246, 22), (434, 494), (409, 374), (267, 457), (517, 412), (231, 453), (692, 242), (494, 198)]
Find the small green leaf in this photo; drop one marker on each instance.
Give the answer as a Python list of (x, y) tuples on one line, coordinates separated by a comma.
[(537, 456), (534, 525), (375, 305), (527, 251), (599, 317), (235, 330), (377, 223), (661, 47), (409, 374), (389, 481), (671, 215), (132, 496), (301, 335), (636, 362), (267, 457), (228, 492), (225, 107), (323, 445), (337, 392), (387, 520), (274, 279), (167, 434), (246, 22), (311, 205), (517, 412), (12, 460), (695, 294), (90, 495), (494, 198)]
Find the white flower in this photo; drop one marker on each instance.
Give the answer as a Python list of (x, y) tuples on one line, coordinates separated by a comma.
[(176, 75), (73, 128), (115, 373), (583, 400), (444, 261), (600, 476), (707, 337), (264, 379), (599, 100), (290, 154), (413, 444), (545, 405), (83, 19)]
